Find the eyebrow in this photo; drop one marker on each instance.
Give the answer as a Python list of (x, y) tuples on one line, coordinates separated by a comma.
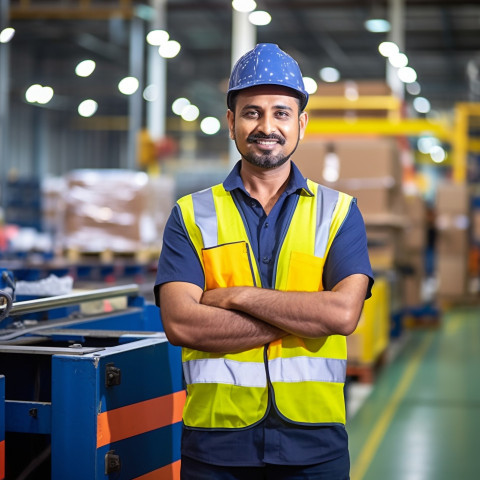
[(276, 107)]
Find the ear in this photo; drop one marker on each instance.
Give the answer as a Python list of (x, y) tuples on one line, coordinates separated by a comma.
[(231, 124), (302, 121)]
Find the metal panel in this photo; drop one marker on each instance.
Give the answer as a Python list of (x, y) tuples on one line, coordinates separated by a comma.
[(28, 417), (150, 372)]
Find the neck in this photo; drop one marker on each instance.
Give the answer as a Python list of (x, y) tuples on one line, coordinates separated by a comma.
[(265, 185)]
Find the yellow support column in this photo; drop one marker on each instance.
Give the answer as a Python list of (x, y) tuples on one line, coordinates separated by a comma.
[(460, 143)]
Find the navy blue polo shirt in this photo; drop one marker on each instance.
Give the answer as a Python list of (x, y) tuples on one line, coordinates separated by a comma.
[(273, 440)]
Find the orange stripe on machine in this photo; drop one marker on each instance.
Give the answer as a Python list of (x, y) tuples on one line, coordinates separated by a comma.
[(138, 418), (168, 472), (2, 459)]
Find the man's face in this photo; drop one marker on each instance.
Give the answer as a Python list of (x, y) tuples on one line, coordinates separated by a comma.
[(266, 125)]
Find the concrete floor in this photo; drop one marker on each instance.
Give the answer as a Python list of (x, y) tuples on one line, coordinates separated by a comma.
[(422, 416)]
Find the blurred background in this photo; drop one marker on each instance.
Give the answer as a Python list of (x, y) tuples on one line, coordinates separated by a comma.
[(110, 110)]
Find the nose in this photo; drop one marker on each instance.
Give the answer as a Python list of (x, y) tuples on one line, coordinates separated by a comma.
[(266, 125)]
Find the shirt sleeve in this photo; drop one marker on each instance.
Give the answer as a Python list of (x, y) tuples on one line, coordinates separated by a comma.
[(178, 260), (348, 254)]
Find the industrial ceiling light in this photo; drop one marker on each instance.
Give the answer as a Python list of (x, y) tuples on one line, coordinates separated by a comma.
[(128, 85), (377, 25), (310, 84), (157, 37), (387, 49), (210, 125), (398, 60), (39, 94), (407, 74), (87, 108), (438, 154), (169, 49), (329, 74), (426, 144), (259, 18), (179, 104), (421, 105), (413, 88), (190, 113), (150, 93), (376, 21), (85, 68), (244, 5), (7, 34)]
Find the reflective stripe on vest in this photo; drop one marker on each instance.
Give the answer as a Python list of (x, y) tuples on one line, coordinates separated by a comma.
[(229, 372), (230, 391), (203, 206), (326, 201), (307, 369)]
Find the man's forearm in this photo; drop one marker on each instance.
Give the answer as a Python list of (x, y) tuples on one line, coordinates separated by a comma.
[(228, 331), (306, 314), (187, 323)]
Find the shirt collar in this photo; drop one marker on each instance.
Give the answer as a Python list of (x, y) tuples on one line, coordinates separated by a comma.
[(296, 182)]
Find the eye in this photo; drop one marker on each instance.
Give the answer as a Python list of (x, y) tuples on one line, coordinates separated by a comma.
[(250, 114), (282, 114)]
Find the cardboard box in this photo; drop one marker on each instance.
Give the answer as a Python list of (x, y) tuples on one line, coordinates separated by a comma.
[(452, 198), (384, 246), (414, 237), (369, 159), (115, 210), (475, 226), (416, 210), (374, 202), (452, 242), (452, 275), (363, 87), (413, 266), (373, 162), (367, 169), (412, 291), (310, 159)]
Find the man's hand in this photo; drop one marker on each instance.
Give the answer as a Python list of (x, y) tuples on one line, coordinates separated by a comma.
[(220, 297)]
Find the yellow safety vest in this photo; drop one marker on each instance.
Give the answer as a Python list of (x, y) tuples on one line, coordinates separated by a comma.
[(226, 391)]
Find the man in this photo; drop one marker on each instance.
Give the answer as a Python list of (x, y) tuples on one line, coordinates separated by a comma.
[(259, 280)]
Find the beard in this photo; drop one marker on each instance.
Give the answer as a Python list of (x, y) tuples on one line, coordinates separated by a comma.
[(266, 159)]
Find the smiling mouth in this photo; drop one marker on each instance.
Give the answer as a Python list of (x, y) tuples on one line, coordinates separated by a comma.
[(266, 141)]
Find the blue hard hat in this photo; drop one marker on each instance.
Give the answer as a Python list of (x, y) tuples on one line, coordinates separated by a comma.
[(267, 64)]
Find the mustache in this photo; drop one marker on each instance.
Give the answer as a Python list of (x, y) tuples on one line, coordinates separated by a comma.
[(258, 136)]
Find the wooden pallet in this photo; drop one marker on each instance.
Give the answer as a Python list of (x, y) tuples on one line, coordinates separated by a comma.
[(141, 256)]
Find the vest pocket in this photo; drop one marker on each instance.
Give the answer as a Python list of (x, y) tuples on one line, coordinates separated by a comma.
[(305, 273), (228, 265)]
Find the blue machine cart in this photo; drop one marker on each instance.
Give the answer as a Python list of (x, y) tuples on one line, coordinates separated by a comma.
[(89, 397)]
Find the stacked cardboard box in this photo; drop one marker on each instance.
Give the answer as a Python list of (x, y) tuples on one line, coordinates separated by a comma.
[(358, 87), (414, 242), (115, 210), (370, 170), (452, 240), (351, 90)]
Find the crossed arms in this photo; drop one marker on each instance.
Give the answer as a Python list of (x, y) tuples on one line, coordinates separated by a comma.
[(234, 319)]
